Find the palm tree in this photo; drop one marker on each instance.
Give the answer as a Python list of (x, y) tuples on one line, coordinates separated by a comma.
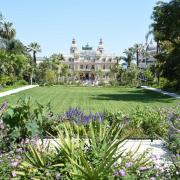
[(137, 49), (145, 54), (117, 58), (7, 32), (129, 56), (34, 47), (16, 46)]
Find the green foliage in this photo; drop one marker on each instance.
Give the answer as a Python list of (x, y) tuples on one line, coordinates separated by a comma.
[(167, 27), (142, 122), (50, 77), (40, 162), (94, 155), (173, 135), (129, 56), (129, 77), (20, 83), (166, 31), (85, 151), (149, 76), (151, 122), (22, 121), (51, 71), (12, 67)]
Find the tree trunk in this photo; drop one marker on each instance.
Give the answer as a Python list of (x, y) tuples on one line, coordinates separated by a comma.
[(31, 79), (34, 56), (137, 58)]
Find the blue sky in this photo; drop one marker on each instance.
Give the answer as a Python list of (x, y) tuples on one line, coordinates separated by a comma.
[(53, 23)]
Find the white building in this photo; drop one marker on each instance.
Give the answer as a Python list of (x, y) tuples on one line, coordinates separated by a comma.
[(89, 63), (148, 59)]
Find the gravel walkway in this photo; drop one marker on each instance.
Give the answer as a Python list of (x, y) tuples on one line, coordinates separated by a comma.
[(162, 92), (155, 148), (13, 91)]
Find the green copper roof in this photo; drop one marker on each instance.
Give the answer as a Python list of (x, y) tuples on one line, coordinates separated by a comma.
[(87, 47)]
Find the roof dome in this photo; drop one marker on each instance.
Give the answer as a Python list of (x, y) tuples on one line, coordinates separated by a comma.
[(151, 46)]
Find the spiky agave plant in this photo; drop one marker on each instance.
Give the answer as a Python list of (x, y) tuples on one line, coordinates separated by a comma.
[(40, 162), (92, 154)]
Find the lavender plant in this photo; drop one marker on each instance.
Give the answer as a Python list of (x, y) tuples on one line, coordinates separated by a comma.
[(78, 116)]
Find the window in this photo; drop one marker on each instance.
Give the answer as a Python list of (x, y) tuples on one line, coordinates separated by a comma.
[(110, 59), (81, 66), (86, 66), (92, 67), (104, 67)]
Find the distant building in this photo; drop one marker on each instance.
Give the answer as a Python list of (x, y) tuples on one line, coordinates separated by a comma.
[(40, 59), (90, 64), (148, 59)]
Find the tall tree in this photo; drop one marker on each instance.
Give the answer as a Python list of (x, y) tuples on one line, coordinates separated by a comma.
[(137, 50), (7, 32), (165, 28), (129, 56), (34, 47), (166, 17)]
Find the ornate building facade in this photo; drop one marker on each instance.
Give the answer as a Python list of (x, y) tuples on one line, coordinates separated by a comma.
[(148, 59), (90, 64)]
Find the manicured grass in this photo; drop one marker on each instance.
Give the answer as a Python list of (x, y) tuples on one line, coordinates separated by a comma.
[(94, 98)]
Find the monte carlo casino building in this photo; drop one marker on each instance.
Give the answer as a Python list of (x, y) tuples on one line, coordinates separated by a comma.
[(91, 65)]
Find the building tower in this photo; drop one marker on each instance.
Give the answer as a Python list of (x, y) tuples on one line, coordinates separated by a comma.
[(100, 47), (73, 48)]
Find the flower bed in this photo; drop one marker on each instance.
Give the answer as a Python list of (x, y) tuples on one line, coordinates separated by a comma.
[(97, 151)]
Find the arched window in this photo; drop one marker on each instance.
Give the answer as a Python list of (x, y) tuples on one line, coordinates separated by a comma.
[(92, 67)]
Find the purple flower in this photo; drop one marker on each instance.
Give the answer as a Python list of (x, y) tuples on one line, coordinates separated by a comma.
[(152, 178), (1, 161), (116, 173), (19, 150), (3, 106), (14, 163), (14, 173), (58, 176), (18, 157), (156, 157), (142, 168), (122, 172), (128, 164), (1, 125)]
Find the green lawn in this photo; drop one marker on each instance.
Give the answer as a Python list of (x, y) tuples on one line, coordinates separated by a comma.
[(94, 98)]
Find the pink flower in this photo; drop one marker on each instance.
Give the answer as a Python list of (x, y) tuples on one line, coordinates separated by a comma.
[(152, 178), (58, 176), (14, 173), (14, 163), (128, 164), (142, 168), (122, 172), (19, 150)]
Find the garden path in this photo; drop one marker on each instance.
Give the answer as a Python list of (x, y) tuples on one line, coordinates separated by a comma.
[(162, 92), (157, 150), (13, 91)]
